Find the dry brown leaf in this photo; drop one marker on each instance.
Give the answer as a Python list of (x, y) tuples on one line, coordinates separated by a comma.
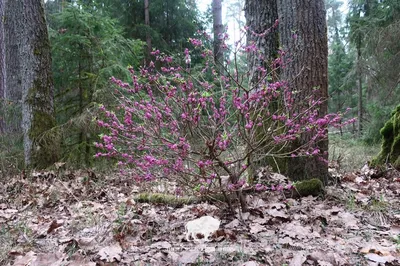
[(161, 245), (278, 214), (298, 259), (295, 230), (256, 228), (189, 257), (234, 224), (7, 213), (79, 260), (54, 225), (250, 263), (110, 253), (378, 258), (41, 259)]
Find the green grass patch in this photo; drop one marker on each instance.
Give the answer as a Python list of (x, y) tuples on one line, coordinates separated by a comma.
[(350, 153)]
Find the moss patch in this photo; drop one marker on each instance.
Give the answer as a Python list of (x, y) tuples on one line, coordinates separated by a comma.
[(45, 138), (312, 187), (390, 149), (167, 199)]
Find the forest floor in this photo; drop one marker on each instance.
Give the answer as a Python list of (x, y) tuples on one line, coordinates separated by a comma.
[(79, 218)]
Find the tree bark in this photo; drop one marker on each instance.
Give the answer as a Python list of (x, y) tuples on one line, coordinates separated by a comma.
[(260, 20), (2, 67), (218, 29), (12, 77), (41, 141), (360, 91), (303, 34), (147, 23)]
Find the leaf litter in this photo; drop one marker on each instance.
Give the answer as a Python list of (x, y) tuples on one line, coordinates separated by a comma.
[(78, 220)]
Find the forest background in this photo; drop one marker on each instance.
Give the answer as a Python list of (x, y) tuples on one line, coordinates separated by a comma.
[(98, 96), (94, 40)]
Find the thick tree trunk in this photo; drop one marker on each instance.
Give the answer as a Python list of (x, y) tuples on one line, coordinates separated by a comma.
[(2, 67), (218, 28), (40, 142), (303, 33), (13, 88), (260, 20)]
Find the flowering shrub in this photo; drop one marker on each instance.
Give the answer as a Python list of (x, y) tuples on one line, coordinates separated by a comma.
[(200, 128)]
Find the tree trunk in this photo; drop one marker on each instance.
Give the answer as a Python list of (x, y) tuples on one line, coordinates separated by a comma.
[(41, 141), (303, 34), (260, 20), (218, 28), (147, 23), (2, 67), (360, 91), (13, 88)]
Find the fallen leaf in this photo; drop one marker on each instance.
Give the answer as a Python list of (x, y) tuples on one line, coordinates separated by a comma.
[(298, 259), (8, 213), (189, 257), (379, 259), (54, 225), (235, 223), (161, 245), (41, 259), (277, 214), (250, 263), (256, 228), (110, 253)]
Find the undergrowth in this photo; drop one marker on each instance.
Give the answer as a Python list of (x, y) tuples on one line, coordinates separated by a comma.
[(11, 154), (350, 153)]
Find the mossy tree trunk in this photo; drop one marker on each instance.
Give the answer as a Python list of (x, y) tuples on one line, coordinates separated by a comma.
[(390, 151), (41, 141), (303, 33)]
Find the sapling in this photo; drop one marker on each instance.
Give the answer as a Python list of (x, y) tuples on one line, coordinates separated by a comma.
[(194, 127)]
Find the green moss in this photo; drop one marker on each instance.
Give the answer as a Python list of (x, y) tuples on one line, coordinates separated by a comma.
[(167, 199), (312, 187), (390, 149), (36, 52), (387, 129), (43, 132), (395, 149), (45, 139)]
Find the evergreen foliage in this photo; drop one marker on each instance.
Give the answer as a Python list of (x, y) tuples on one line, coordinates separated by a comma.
[(88, 48), (375, 29), (340, 62), (172, 22)]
